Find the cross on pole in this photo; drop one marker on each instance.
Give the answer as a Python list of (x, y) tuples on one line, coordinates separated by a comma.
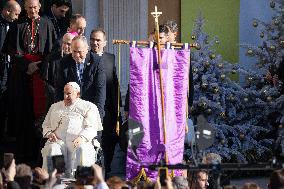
[(156, 14)]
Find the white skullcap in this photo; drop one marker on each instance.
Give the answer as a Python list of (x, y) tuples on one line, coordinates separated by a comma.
[(74, 85)]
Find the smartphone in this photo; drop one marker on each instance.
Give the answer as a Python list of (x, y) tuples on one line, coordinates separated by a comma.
[(7, 160), (58, 163), (84, 175), (163, 174)]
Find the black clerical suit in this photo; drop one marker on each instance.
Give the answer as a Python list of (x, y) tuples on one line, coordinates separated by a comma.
[(4, 69), (49, 73), (109, 136), (93, 85), (26, 45)]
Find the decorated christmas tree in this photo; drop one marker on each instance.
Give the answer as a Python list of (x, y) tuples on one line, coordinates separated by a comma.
[(266, 81), (229, 108)]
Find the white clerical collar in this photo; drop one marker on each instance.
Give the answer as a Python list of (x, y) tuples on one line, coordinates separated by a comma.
[(100, 53)]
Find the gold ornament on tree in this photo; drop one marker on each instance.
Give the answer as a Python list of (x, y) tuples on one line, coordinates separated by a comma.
[(193, 37), (231, 98), (261, 35), (246, 99), (206, 64), (276, 21), (272, 4), (212, 56), (216, 90), (234, 71), (250, 52), (280, 126), (204, 85), (195, 70), (255, 23), (197, 46), (282, 42), (209, 111), (217, 41), (269, 98), (222, 114), (223, 76), (220, 65), (272, 48)]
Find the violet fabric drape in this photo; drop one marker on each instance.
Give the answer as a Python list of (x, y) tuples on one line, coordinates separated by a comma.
[(145, 107)]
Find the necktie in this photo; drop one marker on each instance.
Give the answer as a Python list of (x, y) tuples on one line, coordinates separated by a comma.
[(80, 70)]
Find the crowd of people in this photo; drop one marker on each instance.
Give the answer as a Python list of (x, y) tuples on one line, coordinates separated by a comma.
[(23, 176)]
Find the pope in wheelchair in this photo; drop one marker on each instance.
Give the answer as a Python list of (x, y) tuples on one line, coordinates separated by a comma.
[(70, 127)]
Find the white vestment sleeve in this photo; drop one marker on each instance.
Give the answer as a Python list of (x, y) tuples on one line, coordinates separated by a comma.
[(46, 126), (92, 123)]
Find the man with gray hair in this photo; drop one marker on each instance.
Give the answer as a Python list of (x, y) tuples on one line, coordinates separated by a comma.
[(70, 126), (86, 69)]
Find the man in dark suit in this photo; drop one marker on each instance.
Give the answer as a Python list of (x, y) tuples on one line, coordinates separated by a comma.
[(86, 69), (109, 135)]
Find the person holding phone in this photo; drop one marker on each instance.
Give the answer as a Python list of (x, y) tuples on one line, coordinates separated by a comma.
[(70, 125)]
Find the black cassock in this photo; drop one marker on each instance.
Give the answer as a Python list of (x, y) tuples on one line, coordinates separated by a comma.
[(4, 26), (27, 41)]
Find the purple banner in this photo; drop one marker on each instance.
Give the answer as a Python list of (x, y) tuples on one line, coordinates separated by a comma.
[(145, 107)]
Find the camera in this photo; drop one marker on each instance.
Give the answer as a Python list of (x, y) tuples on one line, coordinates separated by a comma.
[(163, 174), (58, 163), (84, 175)]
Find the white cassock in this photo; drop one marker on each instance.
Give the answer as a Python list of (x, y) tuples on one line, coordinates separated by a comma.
[(68, 122)]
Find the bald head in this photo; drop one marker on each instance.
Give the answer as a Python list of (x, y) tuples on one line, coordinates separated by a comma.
[(32, 8), (11, 11)]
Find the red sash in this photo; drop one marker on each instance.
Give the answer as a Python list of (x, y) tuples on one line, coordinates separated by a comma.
[(37, 88)]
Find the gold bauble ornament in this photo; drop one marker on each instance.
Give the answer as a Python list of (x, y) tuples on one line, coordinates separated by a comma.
[(195, 70), (197, 46), (280, 126), (216, 90), (269, 98), (217, 41), (261, 35), (206, 64), (282, 43), (254, 23), (193, 37), (204, 105), (246, 99), (234, 71), (272, 4), (209, 111), (204, 85), (219, 103), (250, 52), (220, 65), (231, 98), (276, 22), (222, 114), (223, 141), (250, 79), (212, 56), (223, 76), (272, 48)]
